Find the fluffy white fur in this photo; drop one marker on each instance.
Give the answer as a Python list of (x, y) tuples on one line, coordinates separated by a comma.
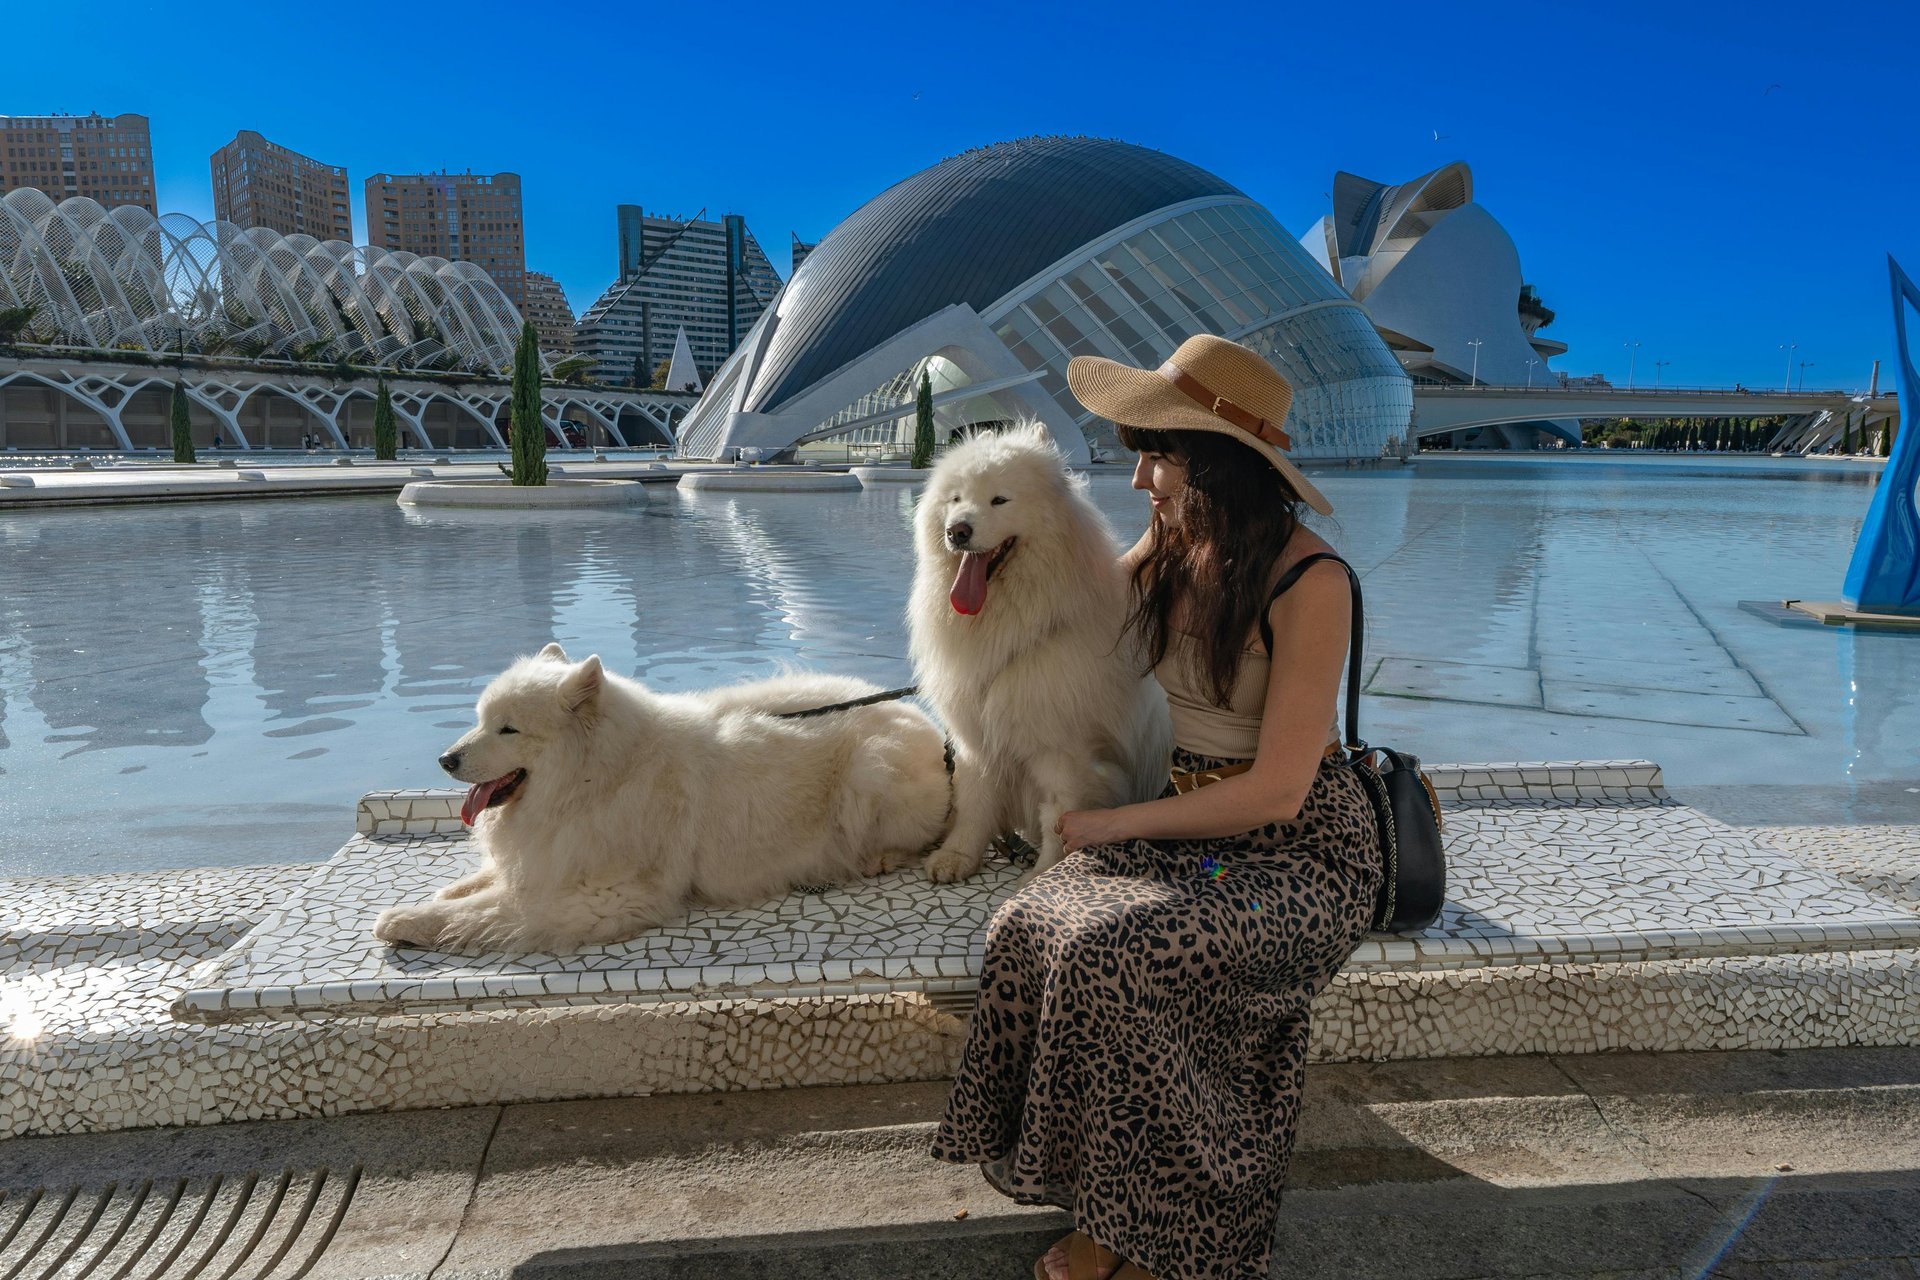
[(636, 804), (1041, 690)]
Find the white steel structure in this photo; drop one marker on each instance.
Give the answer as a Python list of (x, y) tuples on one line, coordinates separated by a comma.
[(54, 399), (1441, 280), (991, 269), (123, 279)]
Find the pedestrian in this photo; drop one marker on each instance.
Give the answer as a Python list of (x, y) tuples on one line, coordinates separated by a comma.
[(1138, 1047)]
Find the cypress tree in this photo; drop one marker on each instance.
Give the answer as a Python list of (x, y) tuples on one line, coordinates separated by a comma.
[(386, 432), (1846, 436), (1886, 439), (182, 425), (923, 423), (528, 432), (641, 379)]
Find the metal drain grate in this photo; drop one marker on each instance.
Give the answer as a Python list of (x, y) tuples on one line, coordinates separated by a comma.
[(248, 1227), (958, 1003)]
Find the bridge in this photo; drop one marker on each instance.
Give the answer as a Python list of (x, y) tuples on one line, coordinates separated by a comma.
[(1814, 417), (119, 401)]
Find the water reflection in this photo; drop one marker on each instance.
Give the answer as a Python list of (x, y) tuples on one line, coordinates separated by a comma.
[(216, 683)]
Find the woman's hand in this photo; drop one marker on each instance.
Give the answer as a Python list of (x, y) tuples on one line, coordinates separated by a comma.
[(1084, 827)]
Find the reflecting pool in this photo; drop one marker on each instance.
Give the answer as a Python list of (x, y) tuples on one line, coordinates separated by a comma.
[(215, 683)]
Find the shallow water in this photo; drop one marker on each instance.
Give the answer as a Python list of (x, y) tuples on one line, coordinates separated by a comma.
[(215, 683)]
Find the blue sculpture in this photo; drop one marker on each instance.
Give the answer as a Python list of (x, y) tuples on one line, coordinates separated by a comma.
[(1885, 574)]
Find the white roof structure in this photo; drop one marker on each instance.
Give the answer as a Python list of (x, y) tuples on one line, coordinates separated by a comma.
[(682, 373), (993, 268), (1441, 280), (124, 279)]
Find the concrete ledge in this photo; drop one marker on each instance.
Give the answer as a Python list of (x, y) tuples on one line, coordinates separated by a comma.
[(1616, 920), (491, 494), (770, 480), (1668, 1166), (872, 477)]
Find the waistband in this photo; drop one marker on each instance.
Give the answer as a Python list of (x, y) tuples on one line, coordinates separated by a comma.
[(1193, 781)]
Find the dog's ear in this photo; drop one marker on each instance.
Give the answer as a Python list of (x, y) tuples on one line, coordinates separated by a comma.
[(554, 651), (582, 684)]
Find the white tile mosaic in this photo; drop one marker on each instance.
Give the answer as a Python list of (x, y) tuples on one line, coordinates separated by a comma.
[(1562, 912), (1563, 862)]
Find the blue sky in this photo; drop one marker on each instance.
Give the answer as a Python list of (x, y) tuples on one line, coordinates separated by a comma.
[(1710, 179)]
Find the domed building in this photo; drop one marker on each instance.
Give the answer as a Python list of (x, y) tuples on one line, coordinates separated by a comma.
[(990, 270)]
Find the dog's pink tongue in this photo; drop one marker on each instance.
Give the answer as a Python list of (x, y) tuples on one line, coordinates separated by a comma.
[(969, 592), (477, 796)]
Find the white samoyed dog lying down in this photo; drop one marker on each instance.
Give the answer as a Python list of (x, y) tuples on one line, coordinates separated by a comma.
[(605, 809), (1018, 618)]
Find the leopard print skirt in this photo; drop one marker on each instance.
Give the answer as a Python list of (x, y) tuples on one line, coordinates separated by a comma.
[(1139, 1043)]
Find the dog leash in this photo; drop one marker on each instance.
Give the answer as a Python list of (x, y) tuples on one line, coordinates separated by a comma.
[(889, 695), (886, 695)]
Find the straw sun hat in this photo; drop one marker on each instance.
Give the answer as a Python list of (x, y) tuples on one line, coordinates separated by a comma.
[(1210, 384)]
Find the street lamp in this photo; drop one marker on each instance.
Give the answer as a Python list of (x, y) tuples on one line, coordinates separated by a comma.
[(1804, 366), (1786, 381), (1633, 354), (1530, 364), (1658, 365), (1474, 379)]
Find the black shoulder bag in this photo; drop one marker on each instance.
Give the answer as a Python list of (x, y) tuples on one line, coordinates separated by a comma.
[(1405, 808)]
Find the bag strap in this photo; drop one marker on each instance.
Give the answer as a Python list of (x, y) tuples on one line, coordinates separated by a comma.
[(1356, 647)]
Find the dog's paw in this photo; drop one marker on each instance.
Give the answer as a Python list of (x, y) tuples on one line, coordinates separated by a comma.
[(408, 927), (894, 859), (947, 865)]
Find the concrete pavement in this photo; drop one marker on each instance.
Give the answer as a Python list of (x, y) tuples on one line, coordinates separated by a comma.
[(1765, 1164)]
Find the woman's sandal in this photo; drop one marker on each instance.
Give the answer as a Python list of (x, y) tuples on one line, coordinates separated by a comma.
[(1085, 1259)]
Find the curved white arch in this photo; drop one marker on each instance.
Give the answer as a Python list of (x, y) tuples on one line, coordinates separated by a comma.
[(122, 278)]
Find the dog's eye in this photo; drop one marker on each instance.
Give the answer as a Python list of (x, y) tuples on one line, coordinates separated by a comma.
[(507, 728), (998, 502)]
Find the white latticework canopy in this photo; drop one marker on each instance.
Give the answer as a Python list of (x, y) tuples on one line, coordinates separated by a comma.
[(123, 279)]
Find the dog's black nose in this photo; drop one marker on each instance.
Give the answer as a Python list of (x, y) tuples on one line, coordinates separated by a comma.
[(959, 533), (450, 761)]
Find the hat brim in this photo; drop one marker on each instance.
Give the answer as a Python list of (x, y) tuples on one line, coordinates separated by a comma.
[(1141, 398)]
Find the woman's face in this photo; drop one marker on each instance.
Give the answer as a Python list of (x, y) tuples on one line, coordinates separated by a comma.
[(1162, 477)]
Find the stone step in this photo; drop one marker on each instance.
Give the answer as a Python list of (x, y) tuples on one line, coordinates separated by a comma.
[(1642, 1165), (1549, 864)]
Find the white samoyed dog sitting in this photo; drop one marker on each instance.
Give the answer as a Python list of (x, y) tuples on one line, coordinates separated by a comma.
[(605, 809), (1018, 617)]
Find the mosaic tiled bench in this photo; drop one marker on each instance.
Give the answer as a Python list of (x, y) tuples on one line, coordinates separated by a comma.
[(1557, 863)]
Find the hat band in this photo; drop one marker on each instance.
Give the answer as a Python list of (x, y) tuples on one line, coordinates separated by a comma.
[(1221, 407)]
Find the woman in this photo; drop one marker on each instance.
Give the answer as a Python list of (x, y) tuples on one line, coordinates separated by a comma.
[(1138, 1047)]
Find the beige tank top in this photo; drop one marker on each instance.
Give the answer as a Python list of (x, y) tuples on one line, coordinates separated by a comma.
[(1232, 731)]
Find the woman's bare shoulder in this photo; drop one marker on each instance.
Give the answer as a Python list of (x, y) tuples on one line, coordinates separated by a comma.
[(1304, 542)]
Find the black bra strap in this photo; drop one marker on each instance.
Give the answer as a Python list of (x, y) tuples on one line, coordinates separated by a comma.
[(1355, 649)]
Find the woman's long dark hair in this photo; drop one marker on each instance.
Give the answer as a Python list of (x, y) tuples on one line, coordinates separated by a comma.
[(1215, 560)]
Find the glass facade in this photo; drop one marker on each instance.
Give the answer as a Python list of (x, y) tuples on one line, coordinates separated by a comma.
[(1009, 260), (1228, 269)]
